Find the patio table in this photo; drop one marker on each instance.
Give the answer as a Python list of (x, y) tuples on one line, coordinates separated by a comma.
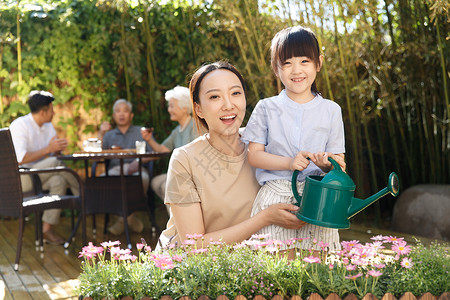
[(120, 195)]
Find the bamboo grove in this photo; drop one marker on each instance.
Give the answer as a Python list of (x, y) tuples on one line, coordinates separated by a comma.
[(386, 63)]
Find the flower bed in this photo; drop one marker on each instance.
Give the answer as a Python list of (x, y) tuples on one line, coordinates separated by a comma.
[(256, 268)]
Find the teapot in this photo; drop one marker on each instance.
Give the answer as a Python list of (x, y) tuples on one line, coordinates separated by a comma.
[(328, 200)]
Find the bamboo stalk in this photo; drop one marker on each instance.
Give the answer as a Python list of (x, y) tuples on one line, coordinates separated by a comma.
[(123, 45), (2, 109), (19, 51), (444, 71), (151, 70), (353, 125)]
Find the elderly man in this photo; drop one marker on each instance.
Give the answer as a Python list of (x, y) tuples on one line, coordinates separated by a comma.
[(35, 141), (124, 136)]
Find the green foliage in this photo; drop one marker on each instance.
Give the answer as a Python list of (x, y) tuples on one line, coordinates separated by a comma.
[(257, 267), (431, 272)]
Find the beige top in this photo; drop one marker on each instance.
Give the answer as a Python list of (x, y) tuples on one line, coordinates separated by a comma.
[(224, 185)]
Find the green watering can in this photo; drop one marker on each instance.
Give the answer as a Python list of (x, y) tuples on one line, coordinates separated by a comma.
[(328, 201)]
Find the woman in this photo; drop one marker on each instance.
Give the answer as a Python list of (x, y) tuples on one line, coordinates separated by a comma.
[(210, 185), (180, 111)]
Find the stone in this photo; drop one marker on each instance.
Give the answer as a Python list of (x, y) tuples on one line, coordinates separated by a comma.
[(424, 211)]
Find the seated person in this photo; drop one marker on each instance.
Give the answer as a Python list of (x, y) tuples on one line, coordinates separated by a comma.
[(35, 141), (180, 111), (124, 136)]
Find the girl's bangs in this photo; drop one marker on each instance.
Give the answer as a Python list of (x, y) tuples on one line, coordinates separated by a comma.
[(299, 43)]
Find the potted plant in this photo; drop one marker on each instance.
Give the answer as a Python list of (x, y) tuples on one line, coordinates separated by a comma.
[(257, 267)]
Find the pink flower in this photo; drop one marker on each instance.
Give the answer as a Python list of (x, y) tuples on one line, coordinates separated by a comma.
[(189, 242), (376, 245), (288, 242), (139, 246), (201, 250), (350, 267), (110, 244), (128, 257), (348, 245), (312, 259), (92, 249), (353, 277), (378, 238), (401, 248), (331, 266), (260, 236), (196, 236), (406, 263), (323, 245), (162, 261), (374, 273), (393, 239), (379, 266), (114, 250), (86, 255), (177, 258), (164, 264)]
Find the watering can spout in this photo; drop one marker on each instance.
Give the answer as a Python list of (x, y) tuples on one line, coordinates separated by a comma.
[(359, 204)]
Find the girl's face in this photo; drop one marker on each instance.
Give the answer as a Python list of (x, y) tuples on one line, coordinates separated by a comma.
[(297, 75), (222, 102), (176, 113)]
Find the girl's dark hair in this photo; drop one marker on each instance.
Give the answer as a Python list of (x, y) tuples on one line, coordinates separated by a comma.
[(293, 42), (196, 81)]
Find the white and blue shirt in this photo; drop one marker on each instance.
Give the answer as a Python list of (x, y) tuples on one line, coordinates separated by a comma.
[(286, 127)]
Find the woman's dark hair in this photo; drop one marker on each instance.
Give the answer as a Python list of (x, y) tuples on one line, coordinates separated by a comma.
[(39, 100), (196, 81), (294, 42)]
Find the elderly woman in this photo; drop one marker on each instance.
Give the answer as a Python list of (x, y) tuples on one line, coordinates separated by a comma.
[(180, 111)]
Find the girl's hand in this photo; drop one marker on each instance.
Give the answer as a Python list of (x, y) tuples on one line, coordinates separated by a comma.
[(300, 161), (320, 159)]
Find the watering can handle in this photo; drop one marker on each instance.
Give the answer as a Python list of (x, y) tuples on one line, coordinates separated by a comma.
[(294, 179)]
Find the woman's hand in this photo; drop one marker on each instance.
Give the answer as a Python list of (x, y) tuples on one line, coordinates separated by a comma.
[(146, 133), (280, 214)]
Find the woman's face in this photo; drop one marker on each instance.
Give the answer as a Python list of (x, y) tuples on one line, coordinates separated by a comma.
[(222, 102), (175, 111)]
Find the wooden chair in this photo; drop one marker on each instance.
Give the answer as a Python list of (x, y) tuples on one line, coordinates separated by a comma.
[(13, 203)]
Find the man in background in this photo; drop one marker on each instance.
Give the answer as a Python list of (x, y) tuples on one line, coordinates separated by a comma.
[(35, 142), (124, 136)]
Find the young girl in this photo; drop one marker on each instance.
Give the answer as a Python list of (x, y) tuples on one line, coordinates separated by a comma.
[(285, 130)]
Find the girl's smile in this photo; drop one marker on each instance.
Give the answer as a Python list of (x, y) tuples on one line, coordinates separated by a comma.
[(297, 75)]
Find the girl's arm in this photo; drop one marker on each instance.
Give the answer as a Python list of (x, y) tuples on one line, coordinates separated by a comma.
[(258, 158), (189, 220)]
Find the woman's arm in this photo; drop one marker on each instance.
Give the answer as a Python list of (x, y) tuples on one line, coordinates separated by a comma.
[(189, 220), (258, 158)]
